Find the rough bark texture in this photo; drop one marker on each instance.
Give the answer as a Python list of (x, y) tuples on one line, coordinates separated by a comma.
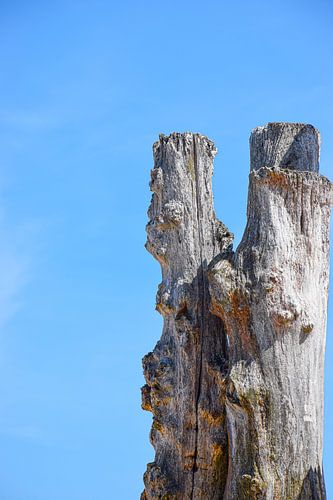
[(235, 383)]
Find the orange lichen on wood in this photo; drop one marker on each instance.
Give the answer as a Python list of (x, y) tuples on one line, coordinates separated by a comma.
[(215, 419)]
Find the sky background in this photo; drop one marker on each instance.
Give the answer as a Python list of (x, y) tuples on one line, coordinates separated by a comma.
[(85, 89)]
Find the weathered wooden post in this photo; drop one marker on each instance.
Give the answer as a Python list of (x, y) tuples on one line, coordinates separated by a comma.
[(235, 384)]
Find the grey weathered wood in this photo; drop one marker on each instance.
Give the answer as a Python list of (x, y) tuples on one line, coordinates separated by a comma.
[(184, 236), (235, 384), (285, 145)]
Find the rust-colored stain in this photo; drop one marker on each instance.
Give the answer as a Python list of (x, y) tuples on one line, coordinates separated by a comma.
[(279, 179), (188, 461), (157, 426), (217, 309), (216, 419), (220, 464), (241, 315), (217, 453), (146, 400)]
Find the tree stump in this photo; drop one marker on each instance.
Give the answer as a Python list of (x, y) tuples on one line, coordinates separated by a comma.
[(235, 383)]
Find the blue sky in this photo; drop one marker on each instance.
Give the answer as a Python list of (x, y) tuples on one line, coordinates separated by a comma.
[(85, 89)]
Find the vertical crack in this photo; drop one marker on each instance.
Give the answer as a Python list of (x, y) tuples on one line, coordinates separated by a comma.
[(201, 309)]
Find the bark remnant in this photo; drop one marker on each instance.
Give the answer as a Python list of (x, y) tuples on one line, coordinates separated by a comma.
[(235, 383)]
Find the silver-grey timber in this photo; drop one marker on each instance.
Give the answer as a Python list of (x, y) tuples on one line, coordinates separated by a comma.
[(235, 383)]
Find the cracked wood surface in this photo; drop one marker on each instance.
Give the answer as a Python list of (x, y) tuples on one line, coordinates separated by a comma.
[(235, 383)]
